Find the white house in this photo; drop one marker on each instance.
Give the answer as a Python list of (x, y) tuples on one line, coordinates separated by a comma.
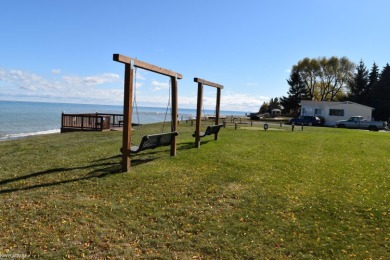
[(333, 111), (276, 112)]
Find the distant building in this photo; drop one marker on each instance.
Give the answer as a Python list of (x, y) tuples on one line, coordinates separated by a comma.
[(333, 111), (276, 112)]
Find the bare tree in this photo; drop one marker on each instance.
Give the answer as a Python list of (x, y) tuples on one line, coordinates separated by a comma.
[(325, 78)]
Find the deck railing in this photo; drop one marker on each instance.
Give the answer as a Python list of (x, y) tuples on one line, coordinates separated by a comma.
[(84, 122), (115, 119)]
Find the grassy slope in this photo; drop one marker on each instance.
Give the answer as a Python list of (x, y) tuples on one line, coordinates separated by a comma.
[(317, 193)]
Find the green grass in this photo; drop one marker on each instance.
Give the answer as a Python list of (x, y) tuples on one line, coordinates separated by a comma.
[(317, 193)]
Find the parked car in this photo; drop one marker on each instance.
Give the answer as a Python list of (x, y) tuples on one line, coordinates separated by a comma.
[(254, 116), (358, 122), (306, 120)]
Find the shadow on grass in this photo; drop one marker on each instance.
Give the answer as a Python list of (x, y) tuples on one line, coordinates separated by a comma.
[(98, 169), (191, 145)]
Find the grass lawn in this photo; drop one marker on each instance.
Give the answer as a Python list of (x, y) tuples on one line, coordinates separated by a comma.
[(317, 193)]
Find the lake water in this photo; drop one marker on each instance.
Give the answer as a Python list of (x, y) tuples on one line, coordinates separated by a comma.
[(22, 119)]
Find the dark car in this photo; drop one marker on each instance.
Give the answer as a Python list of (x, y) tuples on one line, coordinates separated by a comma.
[(306, 120)]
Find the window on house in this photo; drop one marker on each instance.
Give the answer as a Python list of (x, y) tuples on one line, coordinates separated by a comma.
[(303, 111), (336, 112), (317, 111)]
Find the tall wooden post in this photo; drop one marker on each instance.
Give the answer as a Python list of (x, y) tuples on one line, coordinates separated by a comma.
[(198, 115), (127, 117), (217, 109), (174, 113)]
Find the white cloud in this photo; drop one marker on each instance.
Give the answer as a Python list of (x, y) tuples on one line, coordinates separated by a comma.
[(55, 71), (21, 79), (139, 74), (159, 85), (187, 102), (92, 80), (25, 77), (242, 102), (107, 88), (14, 83), (229, 102), (152, 100), (139, 84)]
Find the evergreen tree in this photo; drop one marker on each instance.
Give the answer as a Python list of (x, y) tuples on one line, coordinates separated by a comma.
[(381, 95), (296, 93), (374, 76), (373, 81), (273, 103), (264, 108), (358, 86)]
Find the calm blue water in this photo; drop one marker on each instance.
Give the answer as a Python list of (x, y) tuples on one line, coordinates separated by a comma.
[(22, 119)]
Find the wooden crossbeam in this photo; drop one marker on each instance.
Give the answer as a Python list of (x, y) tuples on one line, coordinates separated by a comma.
[(146, 66), (208, 83)]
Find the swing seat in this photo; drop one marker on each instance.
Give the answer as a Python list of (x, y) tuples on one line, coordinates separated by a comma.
[(154, 141), (211, 129)]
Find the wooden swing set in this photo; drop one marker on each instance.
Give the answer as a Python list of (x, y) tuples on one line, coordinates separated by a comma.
[(212, 129), (149, 141)]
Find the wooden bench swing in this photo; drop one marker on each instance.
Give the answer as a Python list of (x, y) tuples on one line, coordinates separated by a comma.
[(148, 141), (211, 129), (153, 141)]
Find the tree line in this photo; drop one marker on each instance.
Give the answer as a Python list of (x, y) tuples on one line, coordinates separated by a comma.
[(335, 79)]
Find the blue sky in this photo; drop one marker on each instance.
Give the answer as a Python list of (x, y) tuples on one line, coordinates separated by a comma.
[(61, 51)]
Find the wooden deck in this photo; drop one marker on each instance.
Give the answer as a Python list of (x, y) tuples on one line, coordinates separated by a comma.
[(90, 122)]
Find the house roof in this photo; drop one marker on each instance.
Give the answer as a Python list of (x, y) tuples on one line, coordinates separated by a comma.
[(323, 104)]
